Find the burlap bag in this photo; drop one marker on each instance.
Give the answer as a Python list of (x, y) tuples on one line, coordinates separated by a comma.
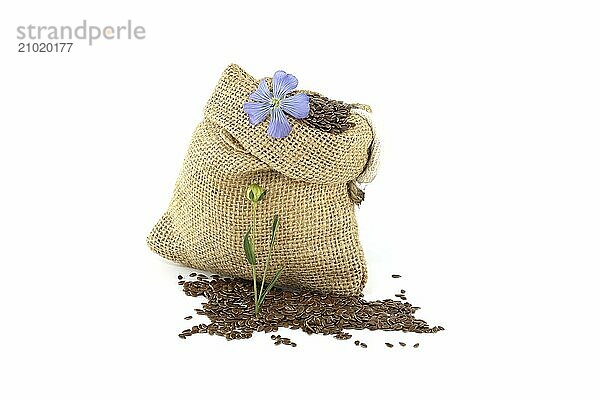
[(307, 177)]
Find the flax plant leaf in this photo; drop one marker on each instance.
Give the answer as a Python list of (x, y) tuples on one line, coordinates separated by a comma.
[(274, 228), (249, 247), (268, 289)]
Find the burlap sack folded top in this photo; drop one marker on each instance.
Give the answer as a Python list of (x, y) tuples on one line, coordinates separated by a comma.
[(306, 178)]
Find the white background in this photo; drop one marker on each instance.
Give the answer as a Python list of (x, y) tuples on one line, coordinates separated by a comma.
[(486, 203)]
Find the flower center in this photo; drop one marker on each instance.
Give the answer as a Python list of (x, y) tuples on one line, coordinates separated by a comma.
[(275, 102)]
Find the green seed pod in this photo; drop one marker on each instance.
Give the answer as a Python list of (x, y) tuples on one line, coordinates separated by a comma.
[(255, 193)]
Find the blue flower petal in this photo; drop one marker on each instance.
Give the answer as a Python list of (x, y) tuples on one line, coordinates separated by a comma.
[(283, 84), (256, 111), (279, 126), (262, 94), (297, 106)]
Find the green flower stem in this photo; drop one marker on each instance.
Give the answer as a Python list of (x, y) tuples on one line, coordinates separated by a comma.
[(262, 284), (256, 304), (275, 278), (274, 228)]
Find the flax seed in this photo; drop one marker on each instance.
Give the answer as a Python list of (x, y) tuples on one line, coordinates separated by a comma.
[(230, 308)]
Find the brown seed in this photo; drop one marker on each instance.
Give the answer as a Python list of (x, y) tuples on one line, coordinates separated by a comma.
[(389, 345), (416, 345), (230, 308), (188, 317), (328, 115), (396, 276), (179, 277), (193, 274), (363, 345), (357, 342), (402, 344)]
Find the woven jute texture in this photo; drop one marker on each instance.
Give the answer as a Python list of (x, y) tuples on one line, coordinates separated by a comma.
[(306, 178)]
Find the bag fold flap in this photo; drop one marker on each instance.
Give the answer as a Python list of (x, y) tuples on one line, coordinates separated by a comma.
[(306, 154)]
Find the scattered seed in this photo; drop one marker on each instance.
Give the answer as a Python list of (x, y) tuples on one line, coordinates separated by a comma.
[(396, 276), (402, 344), (416, 345), (343, 336), (188, 317), (230, 309), (179, 277), (363, 345), (357, 342), (389, 345), (193, 274)]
